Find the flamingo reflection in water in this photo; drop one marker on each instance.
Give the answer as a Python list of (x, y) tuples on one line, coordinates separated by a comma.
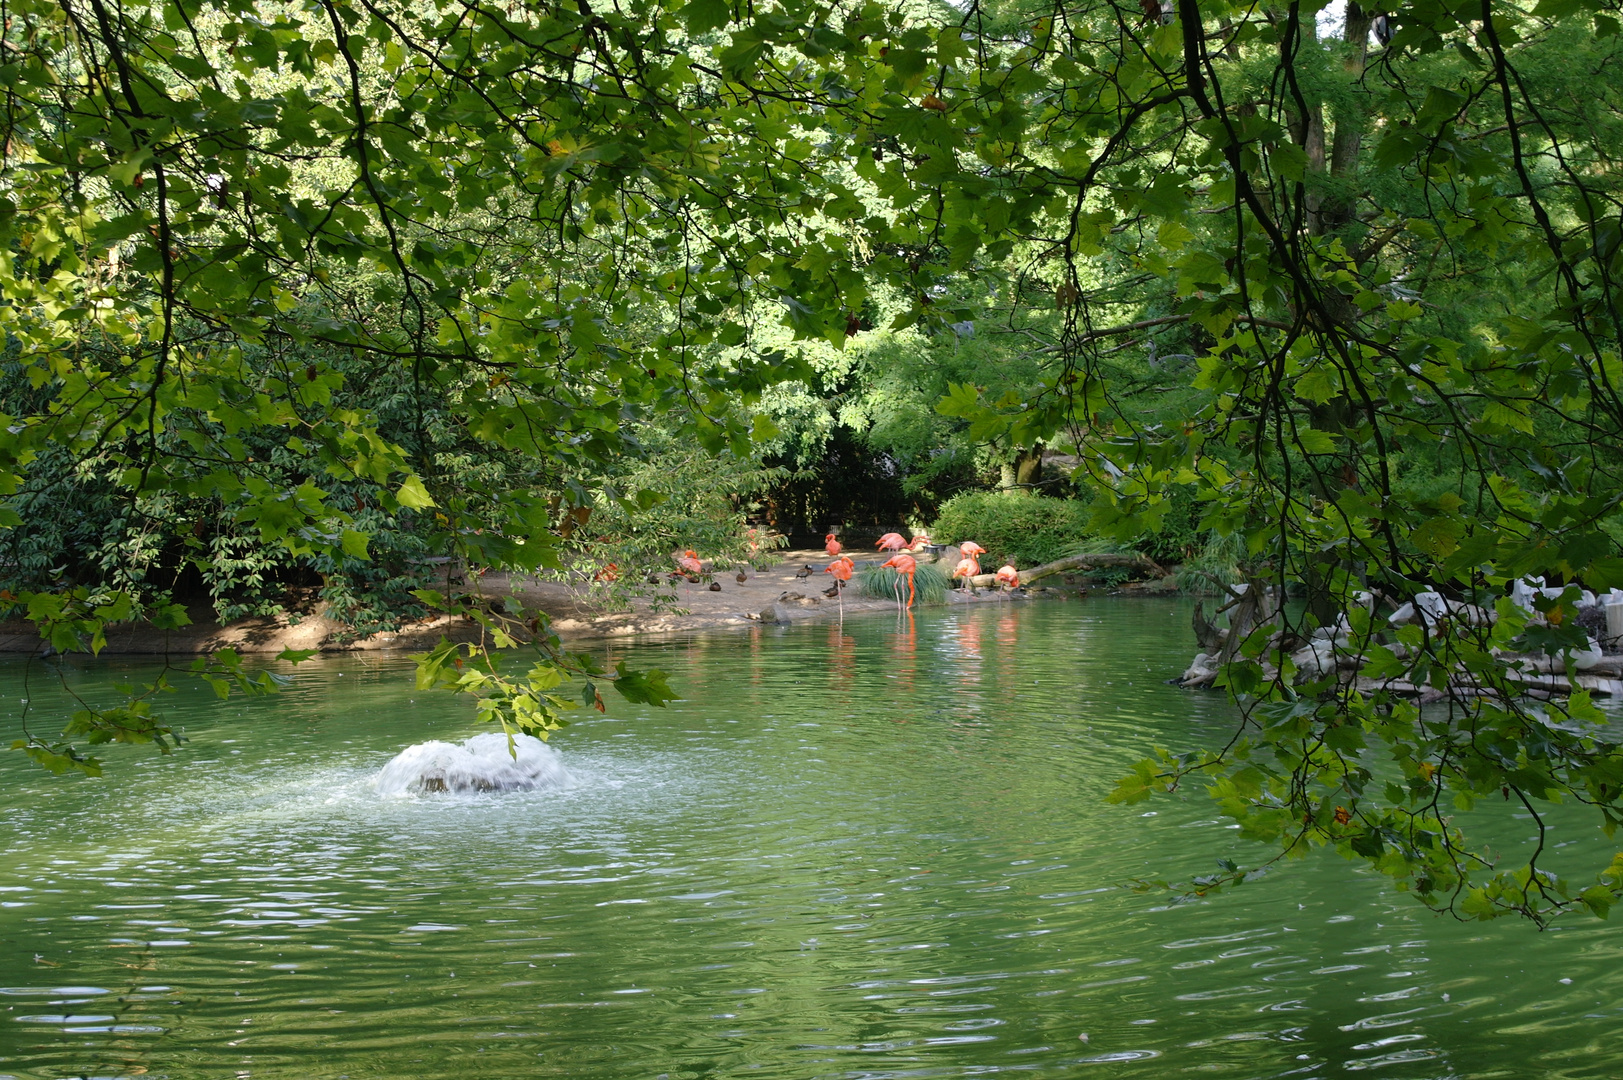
[(969, 643), (1008, 646), (842, 658), (903, 666)]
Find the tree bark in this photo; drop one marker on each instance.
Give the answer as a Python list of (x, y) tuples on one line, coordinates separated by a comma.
[(1341, 200), (1074, 562)]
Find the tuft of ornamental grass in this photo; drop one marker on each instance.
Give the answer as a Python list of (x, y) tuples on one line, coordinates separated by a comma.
[(930, 583)]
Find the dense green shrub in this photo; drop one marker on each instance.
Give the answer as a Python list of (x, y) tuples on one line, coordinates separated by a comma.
[(1029, 529), (1179, 537), (930, 583)]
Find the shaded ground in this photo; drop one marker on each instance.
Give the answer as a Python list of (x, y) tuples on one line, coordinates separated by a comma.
[(574, 616)]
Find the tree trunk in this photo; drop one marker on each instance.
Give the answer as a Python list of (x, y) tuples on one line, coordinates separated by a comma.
[(1074, 562), (1307, 129), (1024, 472), (1028, 468), (1341, 199)]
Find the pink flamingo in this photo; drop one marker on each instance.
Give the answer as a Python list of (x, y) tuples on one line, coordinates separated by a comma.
[(831, 544), (903, 564), (1008, 576), (688, 562), (891, 542), (969, 549), (967, 569), (920, 541), (841, 568)]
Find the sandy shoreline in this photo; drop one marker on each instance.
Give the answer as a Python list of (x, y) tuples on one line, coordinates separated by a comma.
[(574, 618)]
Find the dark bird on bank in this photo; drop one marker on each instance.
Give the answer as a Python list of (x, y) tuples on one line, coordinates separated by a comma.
[(715, 586), (741, 577), (653, 579), (803, 573), (832, 591)]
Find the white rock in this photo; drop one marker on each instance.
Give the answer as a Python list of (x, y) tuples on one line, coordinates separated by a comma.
[(1314, 660), (1588, 658), (1431, 605), (1200, 667)]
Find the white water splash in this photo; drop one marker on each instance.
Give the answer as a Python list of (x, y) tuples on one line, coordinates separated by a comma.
[(483, 763)]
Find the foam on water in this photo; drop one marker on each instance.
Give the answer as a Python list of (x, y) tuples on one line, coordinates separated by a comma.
[(487, 762)]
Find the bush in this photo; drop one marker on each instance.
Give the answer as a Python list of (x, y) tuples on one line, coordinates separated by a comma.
[(1216, 564), (1028, 529), (1180, 537), (930, 583)]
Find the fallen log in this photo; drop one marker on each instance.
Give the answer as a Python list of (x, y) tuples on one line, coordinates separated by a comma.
[(1075, 562)]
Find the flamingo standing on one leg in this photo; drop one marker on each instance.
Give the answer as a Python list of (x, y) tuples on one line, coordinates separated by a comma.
[(831, 544), (903, 564), (841, 568), (691, 568)]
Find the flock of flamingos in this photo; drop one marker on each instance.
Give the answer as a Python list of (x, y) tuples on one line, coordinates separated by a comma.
[(905, 564), (691, 567)]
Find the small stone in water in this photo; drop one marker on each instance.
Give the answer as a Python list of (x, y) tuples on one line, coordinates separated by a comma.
[(1083, 1036)]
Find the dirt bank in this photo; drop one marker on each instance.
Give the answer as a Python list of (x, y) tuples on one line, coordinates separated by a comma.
[(574, 617)]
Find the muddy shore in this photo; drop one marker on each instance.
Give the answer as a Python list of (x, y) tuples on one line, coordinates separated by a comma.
[(775, 591)]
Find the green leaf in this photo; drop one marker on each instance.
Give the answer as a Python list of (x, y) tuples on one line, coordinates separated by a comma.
[(701, 16), (413, 495), (643, 687), (354, 543)]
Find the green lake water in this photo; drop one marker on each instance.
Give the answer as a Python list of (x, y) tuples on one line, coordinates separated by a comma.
[(881, 852)]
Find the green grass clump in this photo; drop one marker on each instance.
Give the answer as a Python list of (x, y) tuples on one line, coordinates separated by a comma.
[(1027, 529), (1218, 562), (930, 583)]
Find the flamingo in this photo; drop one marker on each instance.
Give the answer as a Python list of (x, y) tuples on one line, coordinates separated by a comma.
[(831, 544), (611, 572), (903, 564), (841, 568), (1008, 577), (891, 542), (969, 549), (919, 542), (967, 568), (688, 562)]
